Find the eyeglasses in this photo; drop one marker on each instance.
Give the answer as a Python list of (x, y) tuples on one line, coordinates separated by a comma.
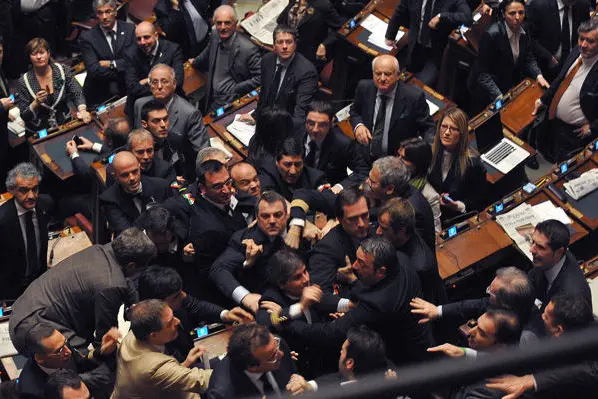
[(220, 186), (445, 127), (276, 355), (161, 82), (60, 351), (25, 190)]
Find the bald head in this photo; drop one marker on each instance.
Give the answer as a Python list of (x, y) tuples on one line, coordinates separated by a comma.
[(386, 72), (225, 21), (147, 36), (127, 171), (245, 178)]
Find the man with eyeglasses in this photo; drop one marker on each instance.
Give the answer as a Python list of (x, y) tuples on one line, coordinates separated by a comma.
[(23, 232), (258, 364), (103, 48), (50, 352), (329, 150), (141, 144), (185, 121)]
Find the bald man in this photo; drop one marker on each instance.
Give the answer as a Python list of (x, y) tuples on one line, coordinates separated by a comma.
[(150, 50), (125, 200), (245, 179), (386, 111), (232, 61)]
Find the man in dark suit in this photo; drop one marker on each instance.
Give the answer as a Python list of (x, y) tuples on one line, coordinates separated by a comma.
[(553, 25), (141, 144), (257, 364), (289, 80), (65, 382), (83, 293), (290, 288), (123, 202), (241, 271), (341, 242), (232, 61), (386, 111), (555, 270), (563, 315), (185, 121), (428, 33), (245, 179), (6, 103), (140, 59), (103, 48), (210, 214), (50, 352), (389, 178), (386, 287), (23, 232), (572, 106), (330, 151), (396, 222), (288, 172)]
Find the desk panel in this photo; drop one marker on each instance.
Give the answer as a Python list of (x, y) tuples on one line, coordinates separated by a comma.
[(517, 114), (217, 344)]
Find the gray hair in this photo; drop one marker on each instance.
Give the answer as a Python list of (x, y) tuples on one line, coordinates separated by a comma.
[(588, 26), (518, 293), (138, 134), (383, 251), (227, 8), (101, 3), (163, 66), (24, 170), (392, 171), (208, 153), (133, 246), (395, 61)]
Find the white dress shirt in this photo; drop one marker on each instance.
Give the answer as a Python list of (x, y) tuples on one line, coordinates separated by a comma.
[(21, 213), (569, 110)]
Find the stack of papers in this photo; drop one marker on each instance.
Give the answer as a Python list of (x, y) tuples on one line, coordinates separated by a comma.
[(6, 346), (241, 130), (378, 27), (261, 25), (521, 222), (583, 185)]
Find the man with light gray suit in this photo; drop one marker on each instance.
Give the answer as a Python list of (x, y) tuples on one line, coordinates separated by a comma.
[(232, 61), (185, 120)]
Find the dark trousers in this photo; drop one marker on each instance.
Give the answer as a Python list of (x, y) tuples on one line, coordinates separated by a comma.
[(566, 141), (424, 63)]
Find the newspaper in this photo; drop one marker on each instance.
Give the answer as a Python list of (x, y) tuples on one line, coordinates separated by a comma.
[(520, 223), (261, 25), (583, 185), (6, 347), (241, 130)]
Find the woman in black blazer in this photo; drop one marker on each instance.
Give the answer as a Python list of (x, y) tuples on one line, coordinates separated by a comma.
[(499, 67), (457, 172), (316, 22)]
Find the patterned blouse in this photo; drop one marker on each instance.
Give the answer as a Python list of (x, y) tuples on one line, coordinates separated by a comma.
[(296, 13), (56, 110)]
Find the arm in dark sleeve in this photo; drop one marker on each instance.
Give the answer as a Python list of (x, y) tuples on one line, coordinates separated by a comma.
[(357, 164), (73, 88), (107, 304), (486, 63), (475, 183), (202, 61), (254, 67), (222, 272), (92, 62), (532, 18), (356, 110), (132, 79), (530, 65), (318, 201), (100, 380), (460, 15), (81, 168), (197, 132), (563, 380), (178, 66), (24, 100), (465, 310), (115, 216), (306, 90), (334, 22), (323, 266), (400, 17), (202, 310)]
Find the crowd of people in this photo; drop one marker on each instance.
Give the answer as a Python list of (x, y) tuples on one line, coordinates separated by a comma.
[(319, 249)]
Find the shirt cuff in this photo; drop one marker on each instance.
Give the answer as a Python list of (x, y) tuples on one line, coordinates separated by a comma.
[(343, 305), (96, 147), (470, 353), (461, 206), (439, 310), (314, 385), (297, 222), (535, 384), (339, 186), (295, 310), (356, 126), (74, 155), (223, 315), (239, 293)]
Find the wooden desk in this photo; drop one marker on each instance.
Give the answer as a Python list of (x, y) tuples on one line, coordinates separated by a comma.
[(470, 247), (517, 114), (193, 79), (576, 214)]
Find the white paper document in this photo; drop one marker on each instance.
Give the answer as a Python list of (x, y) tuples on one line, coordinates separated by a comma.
[(6, 346), (343, 114), (241, 130), (261, 25), (377, 28), (433, 107)]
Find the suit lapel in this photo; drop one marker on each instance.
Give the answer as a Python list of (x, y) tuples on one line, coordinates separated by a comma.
[(20, 239), (173, 113), (288, 78), (127, 204), (325, 150), (505, 44), (398, 108)]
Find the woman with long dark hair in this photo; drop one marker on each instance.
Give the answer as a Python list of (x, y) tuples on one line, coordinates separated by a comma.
[(273, 126)]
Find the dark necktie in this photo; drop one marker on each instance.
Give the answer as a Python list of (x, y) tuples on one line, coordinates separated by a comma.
[(542, 287), (424, 35), (268, 389), (310, 160), (565, 35), (275, 85), (378, 134), (32, 261)]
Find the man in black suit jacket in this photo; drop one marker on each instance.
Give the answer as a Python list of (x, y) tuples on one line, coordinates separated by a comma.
[(103, 48), (23, 220), (228, 48), (123, 202), (396, 222), (141, 144), (289, 80), (51, 352), (6, 103), (428, 33), (545, 24), (257, 364), (140, 59), (241, 271), (288, 172), (383, 294), (342, 241), (329, 150), (83, 293), (406, 113), (290, 288), (573, 117)]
